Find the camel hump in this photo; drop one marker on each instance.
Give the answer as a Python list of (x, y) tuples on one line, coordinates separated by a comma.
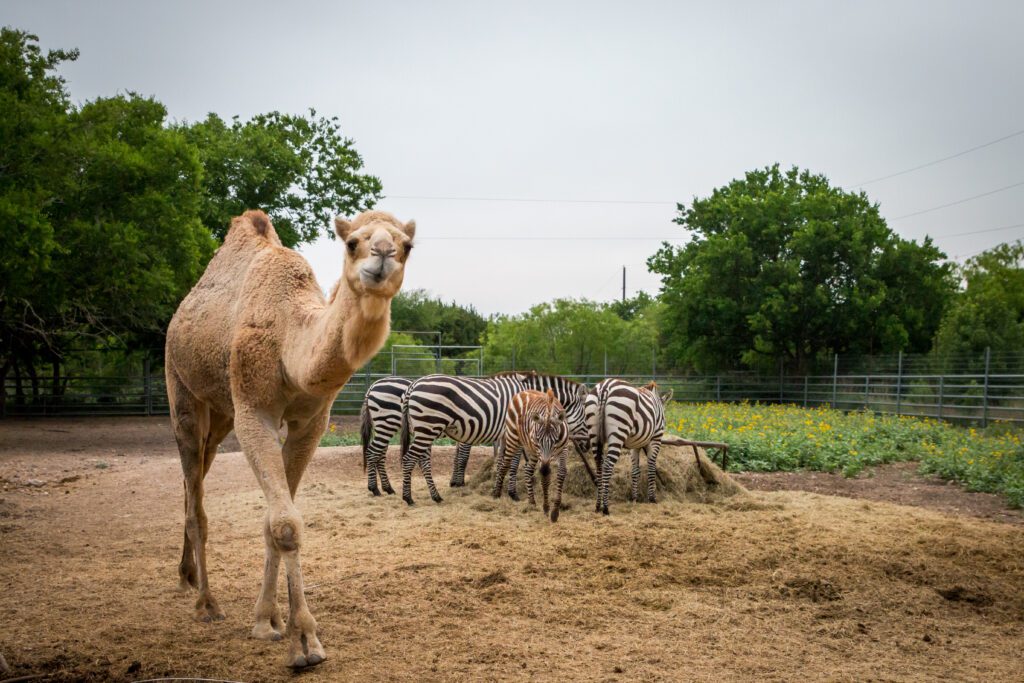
[(255, 222)]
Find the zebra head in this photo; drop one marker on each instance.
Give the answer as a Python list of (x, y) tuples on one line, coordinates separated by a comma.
[(545, 427)]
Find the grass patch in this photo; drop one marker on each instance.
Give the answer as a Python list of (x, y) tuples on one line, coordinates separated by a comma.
[(784, 438), (336, 437)]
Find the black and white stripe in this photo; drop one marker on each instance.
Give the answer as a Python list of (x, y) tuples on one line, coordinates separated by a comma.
[(471, 411), (620, 416)]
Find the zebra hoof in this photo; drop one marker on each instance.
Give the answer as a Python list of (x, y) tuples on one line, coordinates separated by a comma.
[(496, 494), (554, 514), (374, 490), (604, 510), (437, 499), (651, 499), (388, 490), (408, 500), (514, 496)]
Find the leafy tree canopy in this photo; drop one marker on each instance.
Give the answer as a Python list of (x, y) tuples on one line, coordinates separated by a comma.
[(989, 312), (783, 265), (299, 169), (416, 310), (572, 337)]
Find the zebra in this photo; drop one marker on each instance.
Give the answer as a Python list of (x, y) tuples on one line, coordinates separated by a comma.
[(380, 419), (535, 425), (619, 416), (471, 410)]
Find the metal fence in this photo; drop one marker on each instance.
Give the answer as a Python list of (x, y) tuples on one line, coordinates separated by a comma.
[(968, 392)]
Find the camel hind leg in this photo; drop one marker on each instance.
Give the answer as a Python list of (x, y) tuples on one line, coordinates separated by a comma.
[(194, 432)]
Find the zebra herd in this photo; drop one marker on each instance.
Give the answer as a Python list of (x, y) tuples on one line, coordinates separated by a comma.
[(474, 411)]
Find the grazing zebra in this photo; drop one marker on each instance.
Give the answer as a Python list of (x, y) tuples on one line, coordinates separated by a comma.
[(471, 410), (623, 416), (535, 425), (380, 419)]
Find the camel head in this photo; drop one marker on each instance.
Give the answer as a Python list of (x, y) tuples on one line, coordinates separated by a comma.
[(377, 246)]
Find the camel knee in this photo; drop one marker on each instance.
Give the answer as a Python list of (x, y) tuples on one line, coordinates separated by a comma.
[(283, 532)]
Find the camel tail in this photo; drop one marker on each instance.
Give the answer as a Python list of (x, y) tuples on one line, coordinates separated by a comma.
[(365, 428)]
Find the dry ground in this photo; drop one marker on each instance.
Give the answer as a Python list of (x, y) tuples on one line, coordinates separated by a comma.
[(785, 586)]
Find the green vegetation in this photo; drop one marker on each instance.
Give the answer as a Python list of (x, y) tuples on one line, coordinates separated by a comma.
[(782, 265), (110, 212), (785, 437)]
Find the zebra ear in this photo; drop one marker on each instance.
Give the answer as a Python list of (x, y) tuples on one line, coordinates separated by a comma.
[(667, 396), (651, 386), (551, 395)]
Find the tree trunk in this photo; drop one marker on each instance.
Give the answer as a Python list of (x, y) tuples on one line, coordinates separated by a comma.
[(3, 387)]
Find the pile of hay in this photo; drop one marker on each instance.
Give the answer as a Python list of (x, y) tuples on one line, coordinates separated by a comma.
[(679, 478)]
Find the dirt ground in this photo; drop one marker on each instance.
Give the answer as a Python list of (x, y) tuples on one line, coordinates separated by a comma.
[(789, 585)]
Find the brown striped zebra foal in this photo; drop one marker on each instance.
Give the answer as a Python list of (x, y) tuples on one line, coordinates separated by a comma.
[(535, 426)]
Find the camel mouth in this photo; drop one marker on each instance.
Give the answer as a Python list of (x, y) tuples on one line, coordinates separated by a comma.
[(372, 278)]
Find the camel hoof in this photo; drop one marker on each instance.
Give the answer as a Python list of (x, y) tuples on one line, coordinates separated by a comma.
[(265, 631), (208, 610)]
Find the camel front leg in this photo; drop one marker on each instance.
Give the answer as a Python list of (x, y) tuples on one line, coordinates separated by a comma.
[(278, 474)]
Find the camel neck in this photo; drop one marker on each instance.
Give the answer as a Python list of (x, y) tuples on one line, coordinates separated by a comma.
[(351, 329)]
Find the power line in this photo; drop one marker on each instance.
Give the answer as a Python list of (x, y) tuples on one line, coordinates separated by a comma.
[(476, 238), (537, 200), (939, 161), (978, 232), (959, 201)]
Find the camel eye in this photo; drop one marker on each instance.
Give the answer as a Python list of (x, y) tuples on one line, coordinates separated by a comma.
[(408, 247), (352, 245)]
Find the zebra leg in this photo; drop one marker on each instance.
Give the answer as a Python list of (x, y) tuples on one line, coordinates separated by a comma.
[(545, 480), (652, 468), (385, 483), (375, 456), (531, 464), (599, 464), (459, 470), (425, 467), (418, 451), (610, 458), (563, 466), (634, 492), (514, 474), (500, 469)]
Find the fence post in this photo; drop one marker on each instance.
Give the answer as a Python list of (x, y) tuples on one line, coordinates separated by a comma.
[(835, 377), (781, 379), (513, 359), (984, 396), (805, 390), (718, 388), (147, 383), (654, 364), (942, 388), (867, 390), (899, 383)]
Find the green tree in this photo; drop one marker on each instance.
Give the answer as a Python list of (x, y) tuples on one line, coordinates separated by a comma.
[(782, 265), (299, 169), (570, 336), (989, 312), (416, 310)]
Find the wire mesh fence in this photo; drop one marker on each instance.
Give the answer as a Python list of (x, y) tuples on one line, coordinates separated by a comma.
[(976, 390)]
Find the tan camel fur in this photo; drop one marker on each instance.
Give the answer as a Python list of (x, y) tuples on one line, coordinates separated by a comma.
[(255, 346)]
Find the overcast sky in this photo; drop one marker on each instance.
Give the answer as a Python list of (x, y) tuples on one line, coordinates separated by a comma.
[(643, 103)]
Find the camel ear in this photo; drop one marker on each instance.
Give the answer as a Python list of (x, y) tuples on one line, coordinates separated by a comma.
[(342, 228), (409, 229)]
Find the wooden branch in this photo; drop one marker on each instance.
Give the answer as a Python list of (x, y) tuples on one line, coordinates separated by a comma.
[(677, 441)]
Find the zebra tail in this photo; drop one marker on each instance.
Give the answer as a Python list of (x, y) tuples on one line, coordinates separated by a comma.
[(405, 430), (599, 439), (365, 429)]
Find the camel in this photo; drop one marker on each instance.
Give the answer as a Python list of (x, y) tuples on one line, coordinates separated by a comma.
[(254, 347)]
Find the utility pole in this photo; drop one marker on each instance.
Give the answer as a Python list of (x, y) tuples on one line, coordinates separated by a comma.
[(623, 284)]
